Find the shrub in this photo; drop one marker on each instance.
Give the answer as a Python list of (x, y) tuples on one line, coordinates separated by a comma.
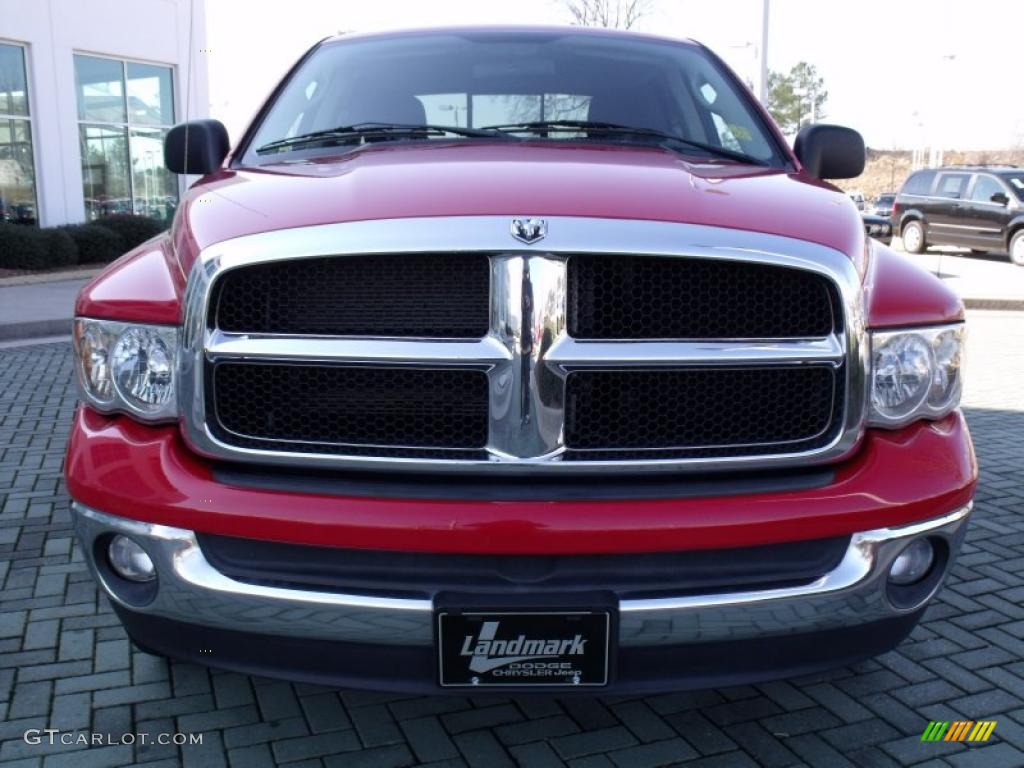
[(96, 244), (61, 250), (22, 247), (29, 247), (132, 229)]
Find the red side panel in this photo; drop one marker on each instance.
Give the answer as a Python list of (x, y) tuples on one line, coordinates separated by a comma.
[(898, 292), (145, 285)]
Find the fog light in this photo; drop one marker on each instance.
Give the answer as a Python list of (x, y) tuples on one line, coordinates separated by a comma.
[(129, 560), (912, 563)]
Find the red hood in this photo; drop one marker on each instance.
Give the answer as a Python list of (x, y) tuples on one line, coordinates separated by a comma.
[(465, 179)]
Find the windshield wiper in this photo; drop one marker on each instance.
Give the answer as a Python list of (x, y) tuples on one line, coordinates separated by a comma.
[(543, 127), (362, 131)]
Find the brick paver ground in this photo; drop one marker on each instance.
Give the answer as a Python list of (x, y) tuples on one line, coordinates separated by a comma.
[(66, 663)]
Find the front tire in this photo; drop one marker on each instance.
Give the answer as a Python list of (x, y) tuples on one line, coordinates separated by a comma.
[(913, 237), (1017, 248)]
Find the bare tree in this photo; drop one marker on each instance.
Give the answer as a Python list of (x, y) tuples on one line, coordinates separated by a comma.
[(613, 14)]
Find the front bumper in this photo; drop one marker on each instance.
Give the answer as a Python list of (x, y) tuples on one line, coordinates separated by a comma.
[(896, 478), (208, 607), (143, 482)]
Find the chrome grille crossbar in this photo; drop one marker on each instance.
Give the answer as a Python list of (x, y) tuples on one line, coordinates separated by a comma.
[(485, 353), (570, 354)]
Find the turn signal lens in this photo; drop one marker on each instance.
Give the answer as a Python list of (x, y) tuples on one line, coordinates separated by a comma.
[(92, 345)]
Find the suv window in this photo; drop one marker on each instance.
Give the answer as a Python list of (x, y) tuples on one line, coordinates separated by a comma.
[(1016, 182), (984, 188), (919, 183), (952, 185)]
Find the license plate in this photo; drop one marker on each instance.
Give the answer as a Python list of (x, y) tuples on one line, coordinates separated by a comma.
[(524, 649)]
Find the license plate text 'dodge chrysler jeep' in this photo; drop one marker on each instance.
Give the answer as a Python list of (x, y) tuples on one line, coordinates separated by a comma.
[(518, 358)]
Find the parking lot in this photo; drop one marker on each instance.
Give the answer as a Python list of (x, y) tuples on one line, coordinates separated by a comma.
[(986, 280), (65, 662)]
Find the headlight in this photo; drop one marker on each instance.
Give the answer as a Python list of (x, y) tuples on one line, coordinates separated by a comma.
[(915, 374), (128, 367), (92, 350)]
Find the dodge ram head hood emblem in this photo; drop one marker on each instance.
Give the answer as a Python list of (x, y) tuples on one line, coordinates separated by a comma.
[(529, 231)]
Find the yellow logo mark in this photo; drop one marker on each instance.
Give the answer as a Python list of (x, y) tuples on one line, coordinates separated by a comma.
[(958, 730)]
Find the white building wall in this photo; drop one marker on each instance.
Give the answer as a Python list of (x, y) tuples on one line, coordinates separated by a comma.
[(150, 31)]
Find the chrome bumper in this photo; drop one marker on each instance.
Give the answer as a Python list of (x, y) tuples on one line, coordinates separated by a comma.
[(190, 590)]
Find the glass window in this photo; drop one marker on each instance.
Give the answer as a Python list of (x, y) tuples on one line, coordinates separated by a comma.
[(984, 188), (17, 168), (953, 185), (919, 183), (443, 109), (482, 79), (726, 137), (124, 112), (155, 191), (105, 170), (100, 86), (150, 98), (1016, 182), (13, 82)]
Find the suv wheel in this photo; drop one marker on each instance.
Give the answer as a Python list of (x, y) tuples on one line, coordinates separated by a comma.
[(913, 237), (1017, 249)]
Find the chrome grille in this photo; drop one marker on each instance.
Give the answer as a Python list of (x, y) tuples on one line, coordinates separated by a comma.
[(529, 393)]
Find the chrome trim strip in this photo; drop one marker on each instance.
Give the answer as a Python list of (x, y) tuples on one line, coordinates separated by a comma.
[(528, 335), (484, 353), (860, 560), (190, 589), (569, 354), (964, 226), (855, 592)]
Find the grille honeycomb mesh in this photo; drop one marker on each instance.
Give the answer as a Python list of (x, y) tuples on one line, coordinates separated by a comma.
[(716, 409), (347, 404), (678, 298), (430, 295)]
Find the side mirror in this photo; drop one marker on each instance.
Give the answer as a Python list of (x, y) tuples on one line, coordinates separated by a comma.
[(1000, 197), (198, 146), (830, 151)]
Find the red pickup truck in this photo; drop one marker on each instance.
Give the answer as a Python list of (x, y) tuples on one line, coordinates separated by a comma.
[(518, 359)]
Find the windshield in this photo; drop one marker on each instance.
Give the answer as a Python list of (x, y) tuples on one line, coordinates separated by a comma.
[(885, 200), (481, 79), (1016, 183)]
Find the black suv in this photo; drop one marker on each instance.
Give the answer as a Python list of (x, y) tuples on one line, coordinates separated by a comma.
[(976, 207)]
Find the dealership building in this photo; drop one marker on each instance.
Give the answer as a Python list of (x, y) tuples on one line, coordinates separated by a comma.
[(87, 92)]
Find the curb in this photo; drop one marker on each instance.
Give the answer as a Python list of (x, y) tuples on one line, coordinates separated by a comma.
[(34, 329), (1015, 305), (49, 277)]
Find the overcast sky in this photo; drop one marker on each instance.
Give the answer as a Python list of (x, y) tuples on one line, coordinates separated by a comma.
[(903, 73)]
